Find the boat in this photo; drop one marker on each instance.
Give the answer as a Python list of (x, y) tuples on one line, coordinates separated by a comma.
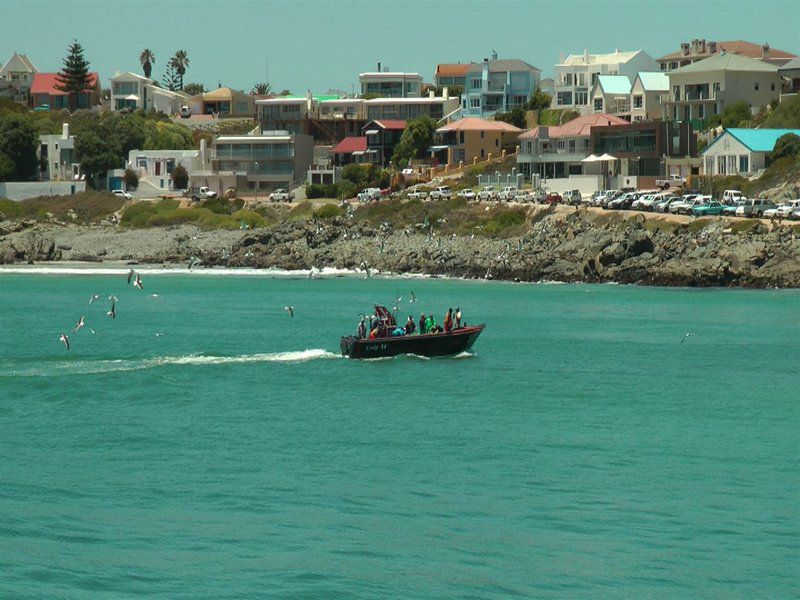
[(427, 344)]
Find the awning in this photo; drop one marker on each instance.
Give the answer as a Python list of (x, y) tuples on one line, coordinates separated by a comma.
[(372, 151), (437, 148), (132, 97), (591, 158), (372, 132), (607, 157), (358, 152)]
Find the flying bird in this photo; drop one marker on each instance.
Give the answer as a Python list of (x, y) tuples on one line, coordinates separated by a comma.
[(365, 268), (94, 297), (79, 324), (413, 297), (290, 310), (65, 340), (131, 273), (138, 282), (113, 312), (686, 336)]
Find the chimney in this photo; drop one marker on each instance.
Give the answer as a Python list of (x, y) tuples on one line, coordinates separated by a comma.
[(765, 52), (65, 131), (445, 93), (685, 49), (586, 56), (379, 66), (494, 55), (309, 100)]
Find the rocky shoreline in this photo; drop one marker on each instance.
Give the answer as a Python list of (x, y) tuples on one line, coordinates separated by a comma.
[(558, 245)]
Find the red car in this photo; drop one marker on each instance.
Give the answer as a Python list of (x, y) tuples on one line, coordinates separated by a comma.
[(552, 198)]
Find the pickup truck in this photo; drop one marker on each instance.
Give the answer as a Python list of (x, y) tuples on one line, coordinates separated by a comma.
[(508, 193), (732, 197), (281, 195), (671, 181), (487, 194), (202, 193), (369, 194), (440, 193)]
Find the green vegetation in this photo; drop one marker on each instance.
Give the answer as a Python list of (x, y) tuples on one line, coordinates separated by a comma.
[(416, 139), (146, 59), (261, 88), (302, 211), (515, 117), (18, 143), (192, 89), (354, 179), (74, 76), (211, 214), (735, 115), (180, 178), (787, 146), (87, 207), (328, 211), (786, 115), (698, 225), (180, 62), (556, 116), (744, 225), (539, 100), (131, 179)]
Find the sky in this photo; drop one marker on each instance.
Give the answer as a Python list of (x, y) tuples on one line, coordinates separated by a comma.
[(319, 45)]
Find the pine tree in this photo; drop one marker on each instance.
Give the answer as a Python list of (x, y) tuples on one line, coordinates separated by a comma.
[(170, 79), (74, 76)]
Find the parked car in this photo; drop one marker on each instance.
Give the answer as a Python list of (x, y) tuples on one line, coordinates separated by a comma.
[(573, 197), (648, 201), (467, 195), (369, 194), (732, 196), (42, 107), (440, 193), (729, 210), (508, 193), (185, 112), (202, 193), (487, 193), (664, 203), (416, 193), (281, 195), (785, 209), (671, 181), (754, 207), (122, 194), (710, 208), (623, 201), (608, 196), (552, 198), (795, 215)]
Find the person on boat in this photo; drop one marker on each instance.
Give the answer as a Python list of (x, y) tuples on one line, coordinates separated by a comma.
[(373, 334), (422, 323), (362, 329), (448, 320), (430, 324), (458, 317), (410, 325), (398, 331)]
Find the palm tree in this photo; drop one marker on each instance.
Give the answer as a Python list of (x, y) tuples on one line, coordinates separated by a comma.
[(261, 89), (180, 61), (147, 58)]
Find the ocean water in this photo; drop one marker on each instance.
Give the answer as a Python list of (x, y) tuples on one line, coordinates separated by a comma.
[(204, 444)]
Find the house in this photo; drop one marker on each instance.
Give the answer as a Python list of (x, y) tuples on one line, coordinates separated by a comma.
[(44, 92), (473, 138), (576, 75), (649, 92), (56, 155), (223, 102), (350, 150), (16, 78), (548, 86), (611, 94), (642, 150), (791, 76), (389, 84), (699, 49), (436, 107), (382, 136), (451, 74), (498, 85), (264, 162), (558, 151), (708, 86), (155, 167), (741, 151), (132, 91)]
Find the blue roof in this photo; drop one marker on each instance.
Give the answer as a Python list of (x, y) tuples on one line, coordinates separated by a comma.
[(654, 81), (614, 84), (757, 140)]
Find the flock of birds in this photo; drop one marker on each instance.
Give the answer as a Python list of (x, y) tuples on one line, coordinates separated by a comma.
[(133, 277)]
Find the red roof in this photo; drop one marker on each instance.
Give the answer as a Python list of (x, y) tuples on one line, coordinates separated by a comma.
[(453, 70), (577, 127), (478, 124), (391, 124), (350, 144), (45, 83)]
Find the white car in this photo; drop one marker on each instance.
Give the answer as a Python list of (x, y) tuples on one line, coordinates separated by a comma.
[(508, 193), (487, 193), (369, 194), (467, 195), (122, 194), (281, 195), (416, 194), (785, 209), (440, 193), (185, 112)]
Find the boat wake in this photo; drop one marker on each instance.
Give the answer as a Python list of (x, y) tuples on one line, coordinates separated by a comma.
[(85, 367)]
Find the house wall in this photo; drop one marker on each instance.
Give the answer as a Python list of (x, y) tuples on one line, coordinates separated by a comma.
[(727, 156), (13, 190)]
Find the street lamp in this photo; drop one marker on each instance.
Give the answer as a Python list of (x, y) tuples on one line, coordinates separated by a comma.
[(255, 183)]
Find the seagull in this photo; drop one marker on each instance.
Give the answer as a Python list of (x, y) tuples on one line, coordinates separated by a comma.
[(93, 331), (94, 297), (138, 282), (155, 296), (366, 270), (311, 273), (131, 273), (113, 312), (79, 324), (413, 297), (290, 310), (194, 261), (686, 336), (65, 340)]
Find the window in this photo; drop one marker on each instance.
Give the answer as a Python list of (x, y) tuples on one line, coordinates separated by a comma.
[(771, 87), (715, 87), (709, 165), (755, 86), (720, 165), (581, 79), (482, 134), (673, 65), (701, 112), (744, 163), (637, 101), (663, 66), (460, 137), (496, 143), (474, 102), (564, 99), (676, 93), (732, 164), (582, 98), (476, 84), (598, 104), (483, 152)]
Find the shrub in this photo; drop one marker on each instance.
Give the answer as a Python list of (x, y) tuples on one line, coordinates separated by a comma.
[(302, 211), (87, 206), (222, 206), (505, 219), (131, 179), (180, 178), (328, 211), (320, 190), (251, 218), (788, 145)]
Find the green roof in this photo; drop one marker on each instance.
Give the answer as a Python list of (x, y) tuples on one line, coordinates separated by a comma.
[(726, 62), (654, 81), (317, 98), (614, 84), (756, 140)]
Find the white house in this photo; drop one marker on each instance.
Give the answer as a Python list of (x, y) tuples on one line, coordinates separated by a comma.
[(611, 94), (57, 156), (389, 84), (741, 151), (155, 167), (649, 92), (132, 91), (16, 78), (575, 75)]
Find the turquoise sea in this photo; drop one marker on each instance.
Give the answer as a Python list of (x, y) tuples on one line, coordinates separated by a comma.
[(582, 450)]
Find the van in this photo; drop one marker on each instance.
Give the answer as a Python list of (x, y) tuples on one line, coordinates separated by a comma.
[(185, 112), (754, 207), (732, 196)]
